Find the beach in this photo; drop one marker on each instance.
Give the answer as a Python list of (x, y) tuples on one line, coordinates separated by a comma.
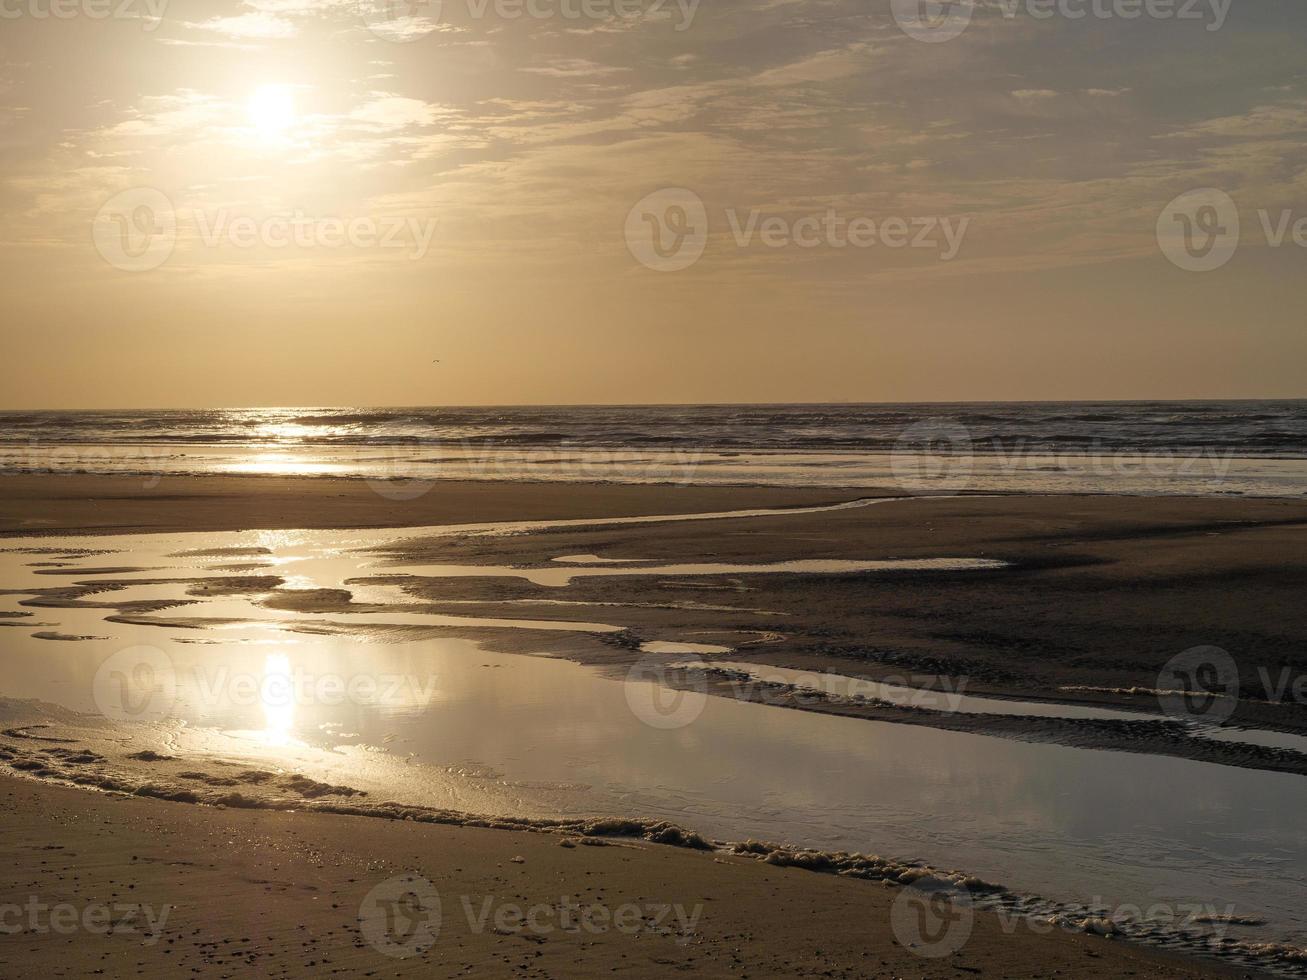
[(638, 488), (1054, 635), (1102, 591), (237, 892)]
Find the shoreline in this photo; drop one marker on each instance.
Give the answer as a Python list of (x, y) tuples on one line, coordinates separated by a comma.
[(1021, 465), (58, 755), (1033, 533), (727, 926)]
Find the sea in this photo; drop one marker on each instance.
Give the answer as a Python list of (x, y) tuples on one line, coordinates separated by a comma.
[(1253, 448)]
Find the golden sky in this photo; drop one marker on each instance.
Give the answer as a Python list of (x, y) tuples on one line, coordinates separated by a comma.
[(281, 202)]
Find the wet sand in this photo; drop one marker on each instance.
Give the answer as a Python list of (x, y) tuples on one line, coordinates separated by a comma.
[(1096, 596), (75, 504), (1100, 592), (248, 892)]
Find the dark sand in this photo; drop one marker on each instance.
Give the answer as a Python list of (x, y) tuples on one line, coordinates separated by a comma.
[(59, 504), (1102, 591)]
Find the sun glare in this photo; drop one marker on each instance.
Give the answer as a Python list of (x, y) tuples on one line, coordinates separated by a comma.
[(271, 110), (277, 695)]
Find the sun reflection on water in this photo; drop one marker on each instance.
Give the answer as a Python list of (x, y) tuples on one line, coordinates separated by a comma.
[(277, 693), (284, 463)]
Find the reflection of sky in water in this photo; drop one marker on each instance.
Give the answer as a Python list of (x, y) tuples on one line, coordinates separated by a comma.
[(956, 699), (1072, 824), (1069, 823)]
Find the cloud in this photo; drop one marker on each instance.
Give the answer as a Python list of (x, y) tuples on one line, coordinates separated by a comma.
[(391, 112), (574, 68), (181, 113), (260, 26), (1261, 121), (551, 127), (824, 66)]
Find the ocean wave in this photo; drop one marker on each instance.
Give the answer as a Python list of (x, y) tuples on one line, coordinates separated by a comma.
[(1257, 428)]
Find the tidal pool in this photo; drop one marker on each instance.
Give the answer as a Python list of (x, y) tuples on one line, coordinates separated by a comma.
[(448, 722)]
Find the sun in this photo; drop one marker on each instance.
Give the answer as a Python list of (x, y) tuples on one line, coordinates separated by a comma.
[(271, 110)]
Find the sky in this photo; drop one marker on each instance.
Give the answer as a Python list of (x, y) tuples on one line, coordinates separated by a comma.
[(385, 202)]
